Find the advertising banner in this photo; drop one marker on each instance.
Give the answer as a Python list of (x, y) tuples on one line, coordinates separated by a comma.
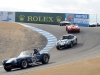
[(41, 18), (80, 19), (7, 16)]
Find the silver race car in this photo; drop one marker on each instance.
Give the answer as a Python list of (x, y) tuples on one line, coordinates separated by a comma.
[(64, 23), (65, 41)]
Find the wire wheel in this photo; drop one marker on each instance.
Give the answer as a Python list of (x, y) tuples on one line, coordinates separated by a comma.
[(24, 64)]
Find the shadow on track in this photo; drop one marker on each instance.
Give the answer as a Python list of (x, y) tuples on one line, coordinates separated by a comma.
[(30, 67)]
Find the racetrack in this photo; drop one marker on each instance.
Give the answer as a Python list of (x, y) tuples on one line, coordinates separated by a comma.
[(88, 46)]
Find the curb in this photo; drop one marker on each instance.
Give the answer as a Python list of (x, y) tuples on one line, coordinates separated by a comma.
[(51, 38), (1, 66)]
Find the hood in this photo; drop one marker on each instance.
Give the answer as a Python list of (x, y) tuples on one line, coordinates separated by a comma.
[(63, 40), (74, 26), (14, 59), (10, 60)]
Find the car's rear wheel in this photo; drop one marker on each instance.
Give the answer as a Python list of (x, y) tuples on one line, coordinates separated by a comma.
[(24, 64), (76, 41), (45, 59), (7, 69)]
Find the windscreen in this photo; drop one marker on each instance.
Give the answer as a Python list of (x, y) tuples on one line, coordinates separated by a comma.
[(67, 37)]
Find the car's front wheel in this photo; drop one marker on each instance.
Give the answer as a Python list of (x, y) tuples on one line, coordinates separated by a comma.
[(24, 64), (71, 45), (45, 59), (7, 69), (68, 31), (60, 24), (58, 47), (79, 31)]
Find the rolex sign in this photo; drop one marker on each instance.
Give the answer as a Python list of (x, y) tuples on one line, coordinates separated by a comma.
[(41, 18)]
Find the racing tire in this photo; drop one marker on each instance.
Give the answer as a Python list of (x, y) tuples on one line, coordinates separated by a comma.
[(68, 31), (78, 31), (60, 24), (76, 42), (7, 69), (45, 59), (71, 45), (24, 64), (58, 47)]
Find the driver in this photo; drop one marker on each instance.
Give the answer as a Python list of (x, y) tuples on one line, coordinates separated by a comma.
[(36, 51), (34, 56)]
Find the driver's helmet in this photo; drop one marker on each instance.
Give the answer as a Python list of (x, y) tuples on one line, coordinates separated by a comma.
[(35, 51)]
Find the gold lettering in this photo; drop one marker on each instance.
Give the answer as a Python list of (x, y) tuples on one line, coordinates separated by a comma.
[(30, 18), (40, 19), (51, 19), (35, 18), (45, 19)]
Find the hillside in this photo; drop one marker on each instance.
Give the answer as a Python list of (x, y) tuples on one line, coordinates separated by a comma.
[(15, 38)]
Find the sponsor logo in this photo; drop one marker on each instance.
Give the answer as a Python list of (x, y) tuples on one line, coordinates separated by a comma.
[(40, 18), (49, 19), (21, 18), (8, 18), (58, 18)]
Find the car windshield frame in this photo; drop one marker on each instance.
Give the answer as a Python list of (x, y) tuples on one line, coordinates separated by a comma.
[(68, 23), (26, 53), (67, 37), (74, 24)]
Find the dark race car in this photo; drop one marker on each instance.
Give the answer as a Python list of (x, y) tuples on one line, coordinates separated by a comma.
[(65, 41), (26, 59), (94, 25)]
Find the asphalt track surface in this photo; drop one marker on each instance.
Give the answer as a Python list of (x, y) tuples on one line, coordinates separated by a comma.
[(88, 46)]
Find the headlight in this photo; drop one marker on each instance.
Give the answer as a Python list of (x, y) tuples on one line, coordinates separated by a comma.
[(57, 42), (15, 61), (2, 62)]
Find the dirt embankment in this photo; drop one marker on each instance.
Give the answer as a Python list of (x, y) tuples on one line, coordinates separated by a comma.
[(85, 67), (15, 38)]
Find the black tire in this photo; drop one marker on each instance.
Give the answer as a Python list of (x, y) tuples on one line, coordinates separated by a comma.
[(78, 31), (7, 69), (58, 47), (68, 31), (71, 45), (24, 64), (45, 59), (76, 41), (60, 24)]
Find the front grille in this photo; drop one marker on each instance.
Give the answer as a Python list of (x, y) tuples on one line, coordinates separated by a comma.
[(7, 64)]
